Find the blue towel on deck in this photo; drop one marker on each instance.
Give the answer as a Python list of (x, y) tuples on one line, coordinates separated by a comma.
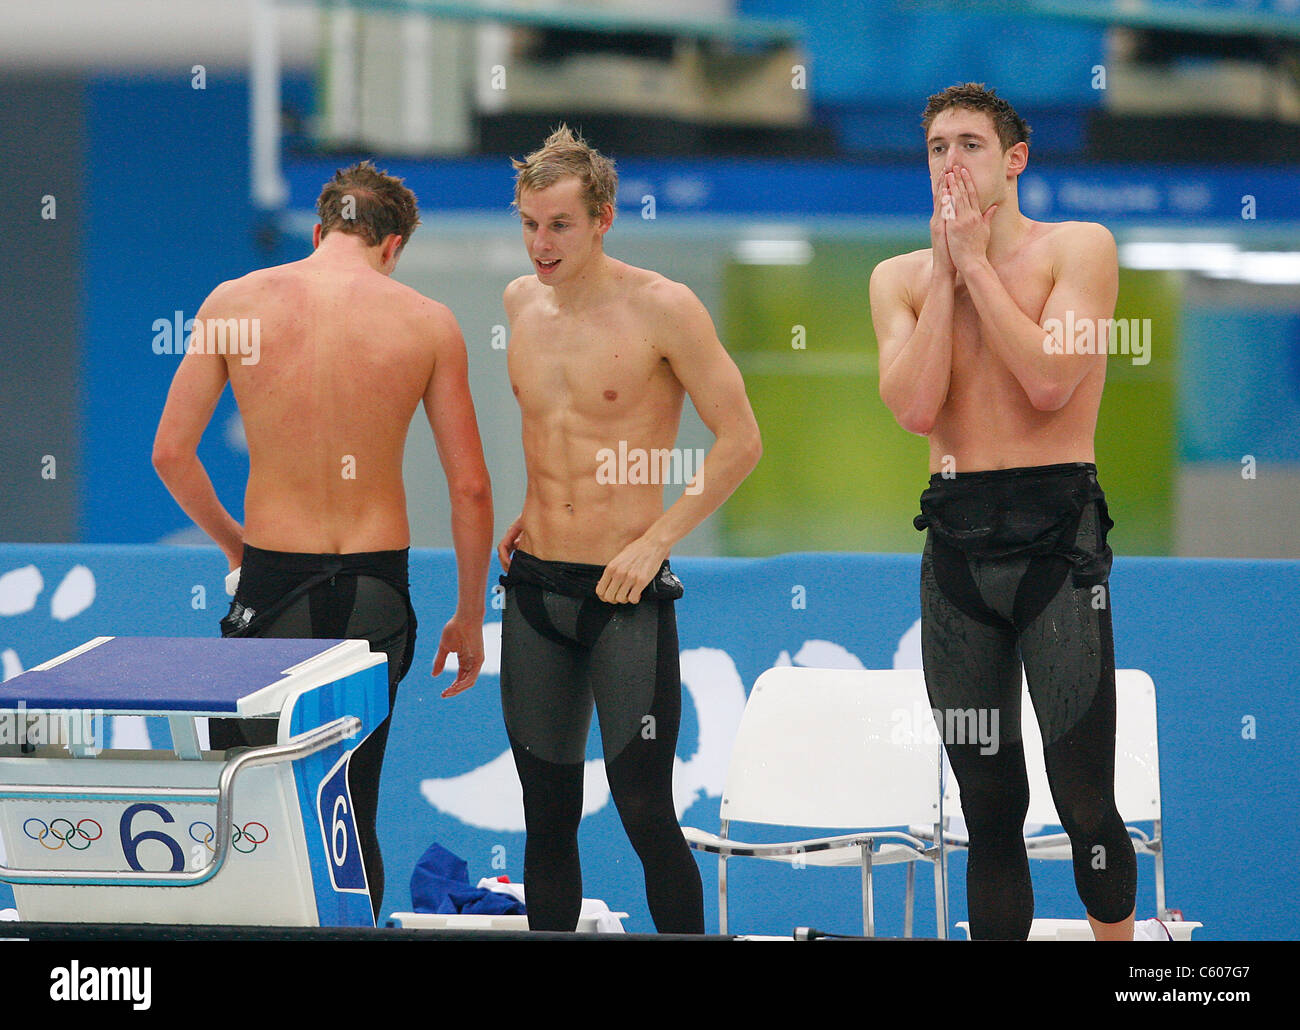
[(440, 884)]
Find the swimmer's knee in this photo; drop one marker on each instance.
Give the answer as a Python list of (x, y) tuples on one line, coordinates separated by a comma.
[(1088, 820), (996, 811)]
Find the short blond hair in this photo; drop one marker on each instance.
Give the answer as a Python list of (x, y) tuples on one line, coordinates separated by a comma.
[(563, 154)]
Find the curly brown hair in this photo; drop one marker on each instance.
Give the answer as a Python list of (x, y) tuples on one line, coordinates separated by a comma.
[(973, 96), (566, 153), (363, 201)]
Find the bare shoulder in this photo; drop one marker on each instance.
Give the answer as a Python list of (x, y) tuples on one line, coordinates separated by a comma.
[(517, 294), (895, 277), (261, 287), (659, 298), (902, 268), (431, 317), (670, 310), (235, 292), (903, 265), (1084, 232), (1089, 239), (407, 303)]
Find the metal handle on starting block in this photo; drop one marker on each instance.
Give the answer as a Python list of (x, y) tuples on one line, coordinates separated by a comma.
[(298, 747)]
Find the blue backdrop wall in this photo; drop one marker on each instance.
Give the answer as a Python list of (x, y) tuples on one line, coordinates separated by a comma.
[(1211, 633)]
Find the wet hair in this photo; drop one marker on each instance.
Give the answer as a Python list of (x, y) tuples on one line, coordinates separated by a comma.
[(973, 96), (363, 201), (563, 154)]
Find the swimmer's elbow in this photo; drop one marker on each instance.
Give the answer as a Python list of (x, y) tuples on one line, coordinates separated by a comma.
[(167, 458), (1049, 396), (753, 449), (473, 490), (919, 423), (907, 415), (918, 427)]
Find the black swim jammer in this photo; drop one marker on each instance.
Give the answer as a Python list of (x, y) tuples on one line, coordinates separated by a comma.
[(1016, 570), (563, 651), (360, 596)]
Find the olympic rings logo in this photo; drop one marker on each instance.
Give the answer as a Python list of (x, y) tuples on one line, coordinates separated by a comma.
[(78, 837), (250, 835)]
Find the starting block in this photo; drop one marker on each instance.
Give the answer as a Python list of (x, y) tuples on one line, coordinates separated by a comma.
[(264, 837)]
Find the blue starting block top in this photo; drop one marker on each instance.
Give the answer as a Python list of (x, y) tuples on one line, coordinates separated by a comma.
[(160, 674)]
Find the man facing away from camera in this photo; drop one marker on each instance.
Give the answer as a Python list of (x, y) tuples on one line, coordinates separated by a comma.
[(345, 355)]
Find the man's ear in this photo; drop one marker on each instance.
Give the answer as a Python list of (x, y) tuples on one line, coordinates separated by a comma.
[(315, 236), (392, 249), (1017, 158), (606, 218)]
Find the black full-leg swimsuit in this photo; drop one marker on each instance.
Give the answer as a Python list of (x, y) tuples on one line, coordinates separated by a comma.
[(1016, 569), (564, 650), (361, 596)]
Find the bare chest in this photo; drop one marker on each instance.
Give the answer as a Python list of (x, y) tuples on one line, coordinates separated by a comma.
[(593, 366)]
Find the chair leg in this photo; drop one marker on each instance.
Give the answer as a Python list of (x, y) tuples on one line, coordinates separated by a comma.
[(911, 897), (722, 894), (1159, 849), (941, 885), (941, 900), (868, 899)]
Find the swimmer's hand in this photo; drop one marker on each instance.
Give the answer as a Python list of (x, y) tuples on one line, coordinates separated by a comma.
[(631, 571), (943, 213), (507, 546), (969, 230), (464, 638)]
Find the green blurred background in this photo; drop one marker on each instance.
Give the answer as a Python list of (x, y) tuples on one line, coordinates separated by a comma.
[(839, 474)]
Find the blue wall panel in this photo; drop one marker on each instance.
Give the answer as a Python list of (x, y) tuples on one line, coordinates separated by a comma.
[(168, 219)]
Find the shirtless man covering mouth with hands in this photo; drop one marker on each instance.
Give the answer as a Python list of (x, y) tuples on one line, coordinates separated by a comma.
[(1016, 566), (602, 354)]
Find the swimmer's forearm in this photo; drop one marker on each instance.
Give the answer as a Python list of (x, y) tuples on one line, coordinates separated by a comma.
[(914, 386), (732, 457), (1017, 339), (188, 482), (471, 533)]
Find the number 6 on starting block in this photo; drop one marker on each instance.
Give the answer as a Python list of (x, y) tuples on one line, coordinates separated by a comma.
[(334, 804)]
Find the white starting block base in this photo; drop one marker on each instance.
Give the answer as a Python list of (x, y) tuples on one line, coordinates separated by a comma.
[(1080, 930), (267, 861), (255, 836)]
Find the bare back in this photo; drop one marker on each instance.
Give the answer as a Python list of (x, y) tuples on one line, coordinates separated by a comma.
[(987, 420), (589, 381), (345, 357)]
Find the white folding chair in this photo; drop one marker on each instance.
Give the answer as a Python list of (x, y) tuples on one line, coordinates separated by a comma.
[(1137, 781), (836, 749)]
